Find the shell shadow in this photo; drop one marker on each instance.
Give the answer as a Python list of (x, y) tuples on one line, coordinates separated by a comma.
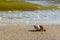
[(37, 30), (33, 31)]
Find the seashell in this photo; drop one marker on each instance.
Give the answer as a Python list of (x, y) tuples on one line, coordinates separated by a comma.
[(36, 27)]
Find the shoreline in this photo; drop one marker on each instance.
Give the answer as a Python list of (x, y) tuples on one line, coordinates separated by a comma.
[(30, 23)]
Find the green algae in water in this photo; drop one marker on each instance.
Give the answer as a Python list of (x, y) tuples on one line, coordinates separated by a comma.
[(24, 6)]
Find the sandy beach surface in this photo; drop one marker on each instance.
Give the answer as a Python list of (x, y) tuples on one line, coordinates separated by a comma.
[(23, 32)]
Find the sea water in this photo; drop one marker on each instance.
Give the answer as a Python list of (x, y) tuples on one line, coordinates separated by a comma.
[(31, 17), (28, 17)]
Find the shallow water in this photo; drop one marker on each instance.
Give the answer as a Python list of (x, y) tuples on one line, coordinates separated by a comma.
[(38, 16), (32, 17)]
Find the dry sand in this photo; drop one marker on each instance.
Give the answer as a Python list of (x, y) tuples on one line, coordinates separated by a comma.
[(11, 32)]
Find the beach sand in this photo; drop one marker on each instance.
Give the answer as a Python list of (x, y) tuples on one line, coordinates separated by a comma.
[(23, 32)]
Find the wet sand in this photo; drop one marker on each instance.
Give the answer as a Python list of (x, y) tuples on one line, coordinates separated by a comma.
[(23, 32)]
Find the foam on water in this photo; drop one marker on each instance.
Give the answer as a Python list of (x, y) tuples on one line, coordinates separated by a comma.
[(28, 17)]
